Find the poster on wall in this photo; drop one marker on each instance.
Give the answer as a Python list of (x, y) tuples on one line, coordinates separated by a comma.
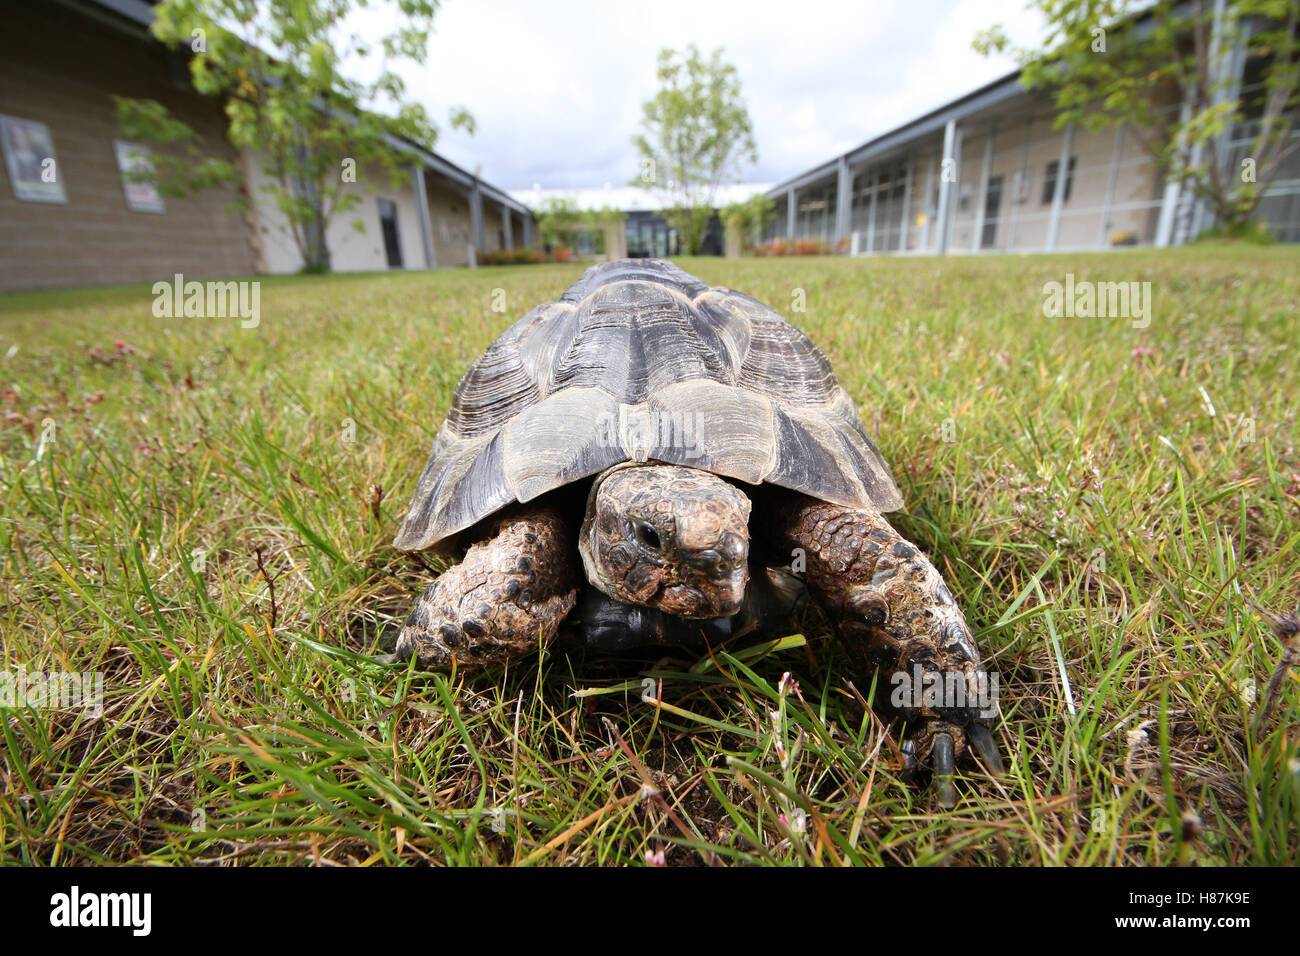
[(134, 162), (29, 155)]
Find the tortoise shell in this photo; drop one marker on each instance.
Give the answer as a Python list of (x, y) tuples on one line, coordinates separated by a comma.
[(640, 361)]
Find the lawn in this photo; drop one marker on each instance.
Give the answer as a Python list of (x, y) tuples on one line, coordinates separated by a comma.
[(203, 514)]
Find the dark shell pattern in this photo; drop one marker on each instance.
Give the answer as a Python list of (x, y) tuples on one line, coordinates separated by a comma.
[(640, 361)]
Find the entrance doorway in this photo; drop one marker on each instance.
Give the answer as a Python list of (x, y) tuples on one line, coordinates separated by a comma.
[(388, 225), (992, 204)]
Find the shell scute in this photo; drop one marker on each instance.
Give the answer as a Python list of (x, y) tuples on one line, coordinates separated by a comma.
[(640, 361)]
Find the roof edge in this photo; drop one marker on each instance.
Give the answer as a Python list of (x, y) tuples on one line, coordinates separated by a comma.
[(142, 14), (976, 100)]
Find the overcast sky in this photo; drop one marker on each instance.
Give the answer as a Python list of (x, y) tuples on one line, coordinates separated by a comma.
[(556, 86)]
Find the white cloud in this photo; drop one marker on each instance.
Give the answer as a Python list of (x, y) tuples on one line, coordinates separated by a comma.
[(557, 87), (629, 198)]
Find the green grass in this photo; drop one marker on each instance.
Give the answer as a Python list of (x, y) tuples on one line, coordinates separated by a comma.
[(1100, 524)]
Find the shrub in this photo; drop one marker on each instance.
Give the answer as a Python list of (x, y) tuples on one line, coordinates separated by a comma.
[(509, 257), (800, 247), (1253, 233)]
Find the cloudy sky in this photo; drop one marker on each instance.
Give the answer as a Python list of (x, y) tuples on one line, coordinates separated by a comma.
[(557, 85)]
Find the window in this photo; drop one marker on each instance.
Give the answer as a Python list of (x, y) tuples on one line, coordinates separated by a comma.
[(135, 164), (29, 153), (388, 228), (861, 192), (1049, 180), (964, 193)]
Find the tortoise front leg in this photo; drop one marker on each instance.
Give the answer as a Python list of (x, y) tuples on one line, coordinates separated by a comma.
[(894, 611), (505, 599)]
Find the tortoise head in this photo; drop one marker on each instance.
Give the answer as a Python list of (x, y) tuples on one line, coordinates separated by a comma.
[(668, 537)]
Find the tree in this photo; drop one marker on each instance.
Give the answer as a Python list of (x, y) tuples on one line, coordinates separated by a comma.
[(750, 218), (278, 66), (559, 221), (696, 134), (1108, 62)]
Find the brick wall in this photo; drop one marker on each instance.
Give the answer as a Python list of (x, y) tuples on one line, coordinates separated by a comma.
[(62, 69)]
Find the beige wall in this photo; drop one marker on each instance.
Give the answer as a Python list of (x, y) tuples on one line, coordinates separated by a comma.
[(351, 249), (493, 226), (1024, 142), (453, 233), (62, 70), (1022, 150)]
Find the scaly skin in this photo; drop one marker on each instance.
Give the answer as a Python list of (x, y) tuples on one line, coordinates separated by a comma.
[(668, 537), (672, 539), (505, 599), (894, 612), (675, 541)]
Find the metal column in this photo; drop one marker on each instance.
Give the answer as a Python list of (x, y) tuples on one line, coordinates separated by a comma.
[(1058, 193), (981, 195), (944, 213), (930, 213), (1115, 158), (907, 207), (871, 215), (476, 215), (422, 213), (843, 200)]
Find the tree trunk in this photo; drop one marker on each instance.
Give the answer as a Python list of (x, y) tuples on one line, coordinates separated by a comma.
[(317, 255)]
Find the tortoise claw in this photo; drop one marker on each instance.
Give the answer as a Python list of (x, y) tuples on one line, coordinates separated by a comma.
[(944, 760), (981, 740), (908, 748), (938, 744)]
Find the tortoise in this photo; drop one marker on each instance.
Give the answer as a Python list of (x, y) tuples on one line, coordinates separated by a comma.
[(692, 453)]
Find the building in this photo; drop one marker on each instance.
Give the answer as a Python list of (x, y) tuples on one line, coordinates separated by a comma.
[(984, 174), (644, 233), (70, 217)]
